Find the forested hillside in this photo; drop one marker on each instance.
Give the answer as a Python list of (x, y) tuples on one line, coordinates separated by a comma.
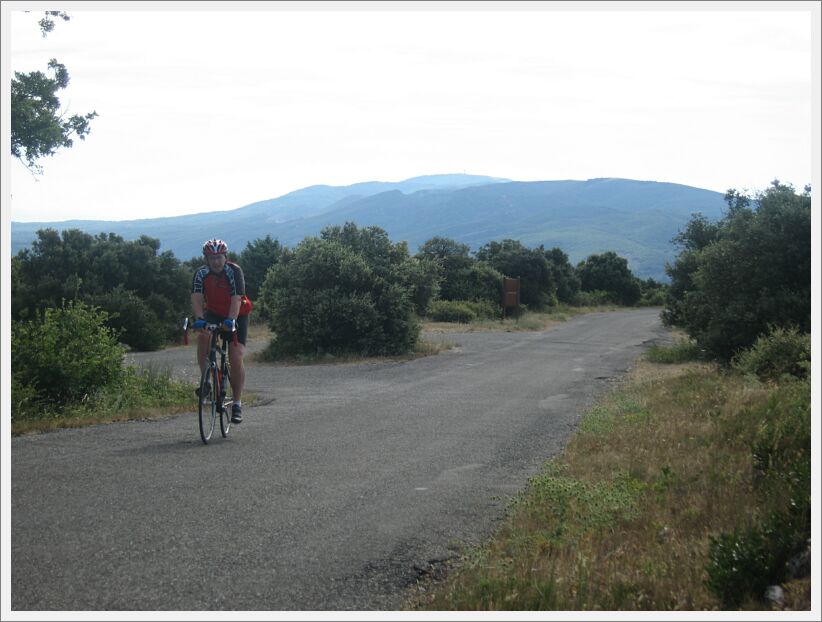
[(635, 219)]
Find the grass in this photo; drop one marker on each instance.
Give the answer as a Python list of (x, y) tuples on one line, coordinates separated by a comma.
[(623, 518), (142, 394), (421, 349), (682, 352), (528, 321)]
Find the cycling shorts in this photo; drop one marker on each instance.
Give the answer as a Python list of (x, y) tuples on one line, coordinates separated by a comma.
[(242, 324)]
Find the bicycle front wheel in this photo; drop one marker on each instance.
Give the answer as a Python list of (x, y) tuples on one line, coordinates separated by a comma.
[(209, 397), (228, 400)]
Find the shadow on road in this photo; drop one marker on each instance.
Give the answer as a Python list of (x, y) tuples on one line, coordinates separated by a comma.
[(171, 447)]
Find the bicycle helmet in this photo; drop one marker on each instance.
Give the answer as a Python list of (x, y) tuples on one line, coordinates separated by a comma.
[(215, 247)]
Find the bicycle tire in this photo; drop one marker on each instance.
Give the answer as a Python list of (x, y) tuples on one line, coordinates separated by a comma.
[(208, 403), (225, 413)]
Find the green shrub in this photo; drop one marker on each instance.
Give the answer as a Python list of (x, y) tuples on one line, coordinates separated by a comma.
[(682, 352), (782, 352), (475, 281), (781, 444), (593, 298), (654, 293), (26, 403), (653, 298), (343, 294), (744, 563), (423, 277), (133, 319), (67, 355), (608, 272), (452, 311), (143, 290), (484, 309), (750, 271), (740, 566)]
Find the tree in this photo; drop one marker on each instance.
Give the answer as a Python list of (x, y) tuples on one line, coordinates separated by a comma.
[(698, 233), (755, 274), (454, 263), (38, 125), (255, 260), (511, 258), (47, 23), (106, 271), (608, 272), (451, 253), (563, 274), (423, 278)]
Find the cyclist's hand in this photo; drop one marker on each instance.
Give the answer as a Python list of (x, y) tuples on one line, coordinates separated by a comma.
[(200, 324), (229, 325)]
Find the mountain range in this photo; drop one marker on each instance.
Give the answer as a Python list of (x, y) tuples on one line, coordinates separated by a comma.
[(635, 219)]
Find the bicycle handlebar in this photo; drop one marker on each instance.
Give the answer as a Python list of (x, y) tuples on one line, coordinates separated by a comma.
[(209, 327)]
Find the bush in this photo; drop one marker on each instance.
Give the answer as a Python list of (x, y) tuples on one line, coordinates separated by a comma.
[(782, 352), (740, 566), (133, 319), (537, 275), (485, 309), (67, 355), (423, 277), (343, 294), (141, 288), (781, 446), (750, 272), (452, 311), (475, 281), (595, 298), (653, 298), (744, 563), (609, 272), (654, 293), (681, 352), (26, 403)]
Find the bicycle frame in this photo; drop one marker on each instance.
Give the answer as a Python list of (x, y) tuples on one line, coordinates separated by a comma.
[(217, 377)]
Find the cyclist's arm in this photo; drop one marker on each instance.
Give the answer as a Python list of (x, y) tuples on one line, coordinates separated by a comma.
[(234, 309), (197, 304)]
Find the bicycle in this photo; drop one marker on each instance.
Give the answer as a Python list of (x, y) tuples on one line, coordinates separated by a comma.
[(214, 383)]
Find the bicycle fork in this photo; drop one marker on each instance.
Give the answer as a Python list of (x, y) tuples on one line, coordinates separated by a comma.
[(221, 388)]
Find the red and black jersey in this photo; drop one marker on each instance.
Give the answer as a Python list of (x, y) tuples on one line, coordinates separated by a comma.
[(218, 288)]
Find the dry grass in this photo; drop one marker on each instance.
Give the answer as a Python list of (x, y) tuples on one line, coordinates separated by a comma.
[(529, 321), (50, 424), (622, 520)]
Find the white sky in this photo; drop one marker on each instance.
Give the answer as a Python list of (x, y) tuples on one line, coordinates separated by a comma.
[(213, 110)]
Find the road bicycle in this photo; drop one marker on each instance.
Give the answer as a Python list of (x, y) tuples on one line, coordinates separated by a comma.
[(214, 392)]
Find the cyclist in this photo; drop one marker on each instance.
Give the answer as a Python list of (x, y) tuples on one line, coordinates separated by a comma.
[(218, 297)]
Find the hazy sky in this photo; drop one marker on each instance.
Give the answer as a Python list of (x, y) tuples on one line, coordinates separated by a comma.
[(211, 110)]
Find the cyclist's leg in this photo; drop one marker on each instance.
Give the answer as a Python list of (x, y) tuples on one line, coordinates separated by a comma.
[(203, 343), (204, 340), (236, 353)]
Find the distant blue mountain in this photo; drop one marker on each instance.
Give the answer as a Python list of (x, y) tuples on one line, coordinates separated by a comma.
[(635, 219)]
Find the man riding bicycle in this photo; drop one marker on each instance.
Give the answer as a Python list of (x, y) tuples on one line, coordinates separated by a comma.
[(218, 297)]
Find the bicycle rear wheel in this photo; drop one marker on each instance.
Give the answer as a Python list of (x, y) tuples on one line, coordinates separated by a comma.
[(208, 402), (228, 400)]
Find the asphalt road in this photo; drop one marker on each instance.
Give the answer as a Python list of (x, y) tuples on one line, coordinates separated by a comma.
[(338, 492)]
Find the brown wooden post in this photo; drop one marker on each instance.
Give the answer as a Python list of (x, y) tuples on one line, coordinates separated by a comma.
[(510, 295)]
